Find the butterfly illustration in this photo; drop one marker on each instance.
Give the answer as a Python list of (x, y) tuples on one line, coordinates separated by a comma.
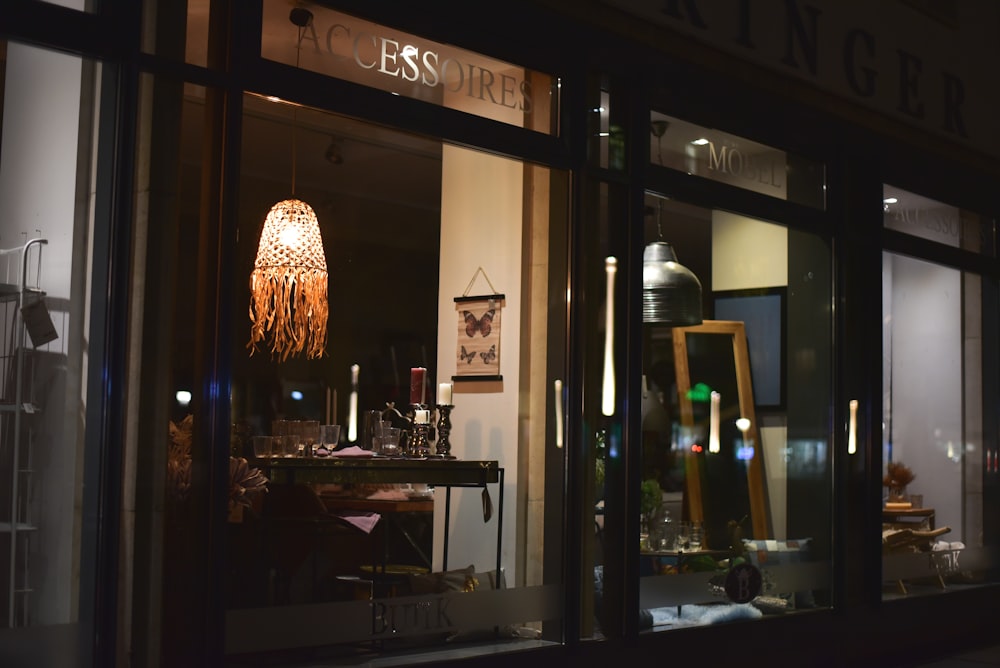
[(467, 357), (484, 324), (489, 355)]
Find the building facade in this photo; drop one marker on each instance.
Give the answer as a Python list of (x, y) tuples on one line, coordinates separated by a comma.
[(686, 314)]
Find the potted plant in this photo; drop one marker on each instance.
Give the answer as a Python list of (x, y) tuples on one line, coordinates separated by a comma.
[(896, 479), (650, 506)]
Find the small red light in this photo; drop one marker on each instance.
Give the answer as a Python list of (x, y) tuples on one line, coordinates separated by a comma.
[(695, 448)]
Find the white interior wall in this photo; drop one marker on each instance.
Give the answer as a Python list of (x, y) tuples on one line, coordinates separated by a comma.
[(749, 253), (926, 383), (481, 214), (38, 165)]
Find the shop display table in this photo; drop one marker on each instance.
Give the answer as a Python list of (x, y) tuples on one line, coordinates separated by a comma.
[(433, 471), (915, 518)]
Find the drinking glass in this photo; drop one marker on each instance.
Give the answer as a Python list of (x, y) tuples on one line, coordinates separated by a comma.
[(682, 539), (695, 535), (390, 441), (309, 436), (329, 435), (283, 444), (263, 446)]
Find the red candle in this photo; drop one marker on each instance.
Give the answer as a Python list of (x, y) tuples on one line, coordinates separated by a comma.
[(417, 375)]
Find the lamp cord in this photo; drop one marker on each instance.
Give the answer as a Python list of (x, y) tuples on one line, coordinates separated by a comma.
[(659, 229), (295, 108)]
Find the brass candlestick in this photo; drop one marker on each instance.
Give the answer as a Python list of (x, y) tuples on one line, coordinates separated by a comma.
[(444, 429)]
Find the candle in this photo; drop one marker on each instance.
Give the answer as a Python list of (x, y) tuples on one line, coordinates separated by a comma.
[(444, 394), (417, 375), (422, 416), (713, 427), (352, 407)]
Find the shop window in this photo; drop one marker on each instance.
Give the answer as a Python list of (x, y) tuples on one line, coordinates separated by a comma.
[(432, 251), (939, 455), (46, 186), (736, 449), (713, 154)]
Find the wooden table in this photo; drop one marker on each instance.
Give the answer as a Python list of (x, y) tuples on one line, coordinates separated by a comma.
[(436, 471), (393, 511), (912, 517)]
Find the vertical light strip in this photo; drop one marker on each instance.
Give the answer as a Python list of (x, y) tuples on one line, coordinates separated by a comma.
[(713, 425), (852, 428), (559, 413), (608, 395)]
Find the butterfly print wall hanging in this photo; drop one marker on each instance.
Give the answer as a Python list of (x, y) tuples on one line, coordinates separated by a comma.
[(477, 350)]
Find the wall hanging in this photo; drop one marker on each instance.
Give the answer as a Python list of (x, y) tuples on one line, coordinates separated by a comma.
[(478, 347)]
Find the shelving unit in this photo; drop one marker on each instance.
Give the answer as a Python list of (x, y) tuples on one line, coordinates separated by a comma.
[(20, 270)]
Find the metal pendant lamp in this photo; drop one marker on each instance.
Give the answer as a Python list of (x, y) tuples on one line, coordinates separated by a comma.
[(289, 283), (671, 293)]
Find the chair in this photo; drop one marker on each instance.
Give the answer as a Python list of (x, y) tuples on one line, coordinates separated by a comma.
[(307, 545)]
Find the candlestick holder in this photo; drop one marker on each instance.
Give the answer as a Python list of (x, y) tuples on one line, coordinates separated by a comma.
[(443, 449), (417, 445)]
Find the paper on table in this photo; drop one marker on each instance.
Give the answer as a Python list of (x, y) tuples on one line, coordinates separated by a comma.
[(363, 520)]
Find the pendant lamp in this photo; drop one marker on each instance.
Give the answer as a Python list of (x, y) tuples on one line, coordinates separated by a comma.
[(671, 293), (289, 282)]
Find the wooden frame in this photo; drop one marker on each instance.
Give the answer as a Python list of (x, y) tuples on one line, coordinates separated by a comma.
[(756, 483)]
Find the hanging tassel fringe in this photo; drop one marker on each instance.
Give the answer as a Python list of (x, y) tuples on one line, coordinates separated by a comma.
[(289, 311)]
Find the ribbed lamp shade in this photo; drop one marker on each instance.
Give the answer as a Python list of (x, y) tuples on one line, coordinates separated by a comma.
[(671, 293), (288, 286)]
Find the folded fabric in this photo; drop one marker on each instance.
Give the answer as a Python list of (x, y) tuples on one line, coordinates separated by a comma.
[(363, 520), (353, 451), (388, 495)]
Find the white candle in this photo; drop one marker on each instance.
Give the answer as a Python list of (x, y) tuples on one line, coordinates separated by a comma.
[(444, 394), (713, 427), (352, 407), (422, 416)]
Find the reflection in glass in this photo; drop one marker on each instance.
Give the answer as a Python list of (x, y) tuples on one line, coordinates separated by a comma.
[(753, 474)]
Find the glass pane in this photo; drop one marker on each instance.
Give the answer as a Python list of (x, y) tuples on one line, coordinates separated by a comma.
[(82, 5), (720, 156), (177, 30), (938, 457), (342, 46), (45, 176), (438, 284), (928, 219), (736, 456)]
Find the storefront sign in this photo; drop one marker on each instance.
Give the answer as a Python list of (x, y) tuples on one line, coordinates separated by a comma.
[(898, 58), (348, 48)]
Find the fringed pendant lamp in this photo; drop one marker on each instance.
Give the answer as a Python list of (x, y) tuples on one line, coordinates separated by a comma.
[(288, 286), (289, 283)]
